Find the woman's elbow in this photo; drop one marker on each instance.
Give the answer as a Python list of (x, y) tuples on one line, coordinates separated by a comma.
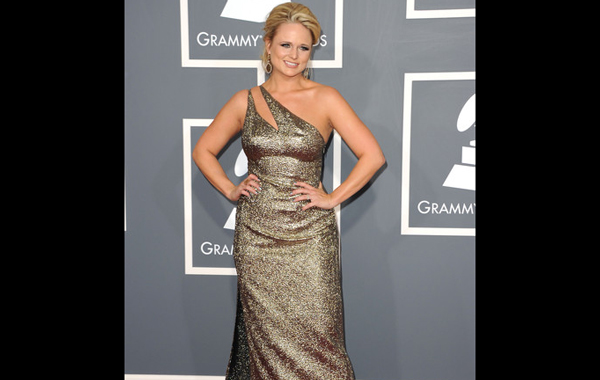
[(379, 159), (196, 154), (374, 158)]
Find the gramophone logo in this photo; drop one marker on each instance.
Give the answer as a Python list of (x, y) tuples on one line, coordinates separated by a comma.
[(240, 169), (254, 11), (462, 176)]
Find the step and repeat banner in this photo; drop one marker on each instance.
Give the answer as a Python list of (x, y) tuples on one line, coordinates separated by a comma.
[(407, 239)]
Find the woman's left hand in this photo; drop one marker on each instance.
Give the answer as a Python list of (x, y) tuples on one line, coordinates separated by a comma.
[(316, 196)]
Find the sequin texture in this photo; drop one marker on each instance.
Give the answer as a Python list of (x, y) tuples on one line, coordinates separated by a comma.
[(289, 322)]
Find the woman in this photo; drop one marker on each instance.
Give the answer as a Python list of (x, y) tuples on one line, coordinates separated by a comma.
[(289, 322)]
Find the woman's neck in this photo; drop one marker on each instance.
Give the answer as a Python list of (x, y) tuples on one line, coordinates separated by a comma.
[(280, 84)]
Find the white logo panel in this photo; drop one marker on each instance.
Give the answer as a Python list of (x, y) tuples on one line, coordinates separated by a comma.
[(252, 38), (206, 247), (438, 197), (413, 13)]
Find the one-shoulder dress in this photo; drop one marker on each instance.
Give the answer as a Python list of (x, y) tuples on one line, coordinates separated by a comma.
[(289, 318)]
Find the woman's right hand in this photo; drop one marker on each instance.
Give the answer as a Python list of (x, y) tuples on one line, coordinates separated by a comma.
[(249, 185)]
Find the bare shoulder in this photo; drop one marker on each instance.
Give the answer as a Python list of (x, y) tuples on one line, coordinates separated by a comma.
[(325, 92), (237, 104), (329, 96), (330, 99), (239, 100), (233, 112)]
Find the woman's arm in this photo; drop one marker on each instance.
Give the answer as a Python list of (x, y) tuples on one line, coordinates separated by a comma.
[(225, 126), (362, 143)]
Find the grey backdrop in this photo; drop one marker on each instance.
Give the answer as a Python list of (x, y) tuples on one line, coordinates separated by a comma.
[(408, 270)]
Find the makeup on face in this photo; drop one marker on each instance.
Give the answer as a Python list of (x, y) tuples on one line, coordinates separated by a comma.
[(291, 47)]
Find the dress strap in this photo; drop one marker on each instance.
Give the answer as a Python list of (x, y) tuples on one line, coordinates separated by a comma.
[(281, 115), (273, 104), (251, 100)]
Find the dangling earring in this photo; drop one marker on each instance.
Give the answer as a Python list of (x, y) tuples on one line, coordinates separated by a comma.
[(306, 73), (269, 66)]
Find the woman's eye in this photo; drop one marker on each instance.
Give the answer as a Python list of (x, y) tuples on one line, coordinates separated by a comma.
[(305, 48), (285, 45)]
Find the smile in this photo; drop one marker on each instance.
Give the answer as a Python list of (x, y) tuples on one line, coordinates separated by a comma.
[(290, 64)]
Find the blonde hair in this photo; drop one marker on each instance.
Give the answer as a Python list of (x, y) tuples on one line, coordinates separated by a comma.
[(289, 13)]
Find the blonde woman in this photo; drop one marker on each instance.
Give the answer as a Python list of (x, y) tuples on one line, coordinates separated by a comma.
[(289, 322)]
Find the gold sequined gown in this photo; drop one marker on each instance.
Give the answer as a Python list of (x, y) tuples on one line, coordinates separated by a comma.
[(289, 306)]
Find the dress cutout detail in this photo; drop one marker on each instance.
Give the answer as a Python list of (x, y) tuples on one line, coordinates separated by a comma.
[(289, 319)]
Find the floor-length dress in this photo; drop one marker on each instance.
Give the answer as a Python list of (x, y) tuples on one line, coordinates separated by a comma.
[(289, 322)]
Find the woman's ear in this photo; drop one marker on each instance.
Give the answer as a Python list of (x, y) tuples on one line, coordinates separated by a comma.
[(268, 45)]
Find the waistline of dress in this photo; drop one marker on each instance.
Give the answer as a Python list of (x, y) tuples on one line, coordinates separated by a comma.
[(288, 182)]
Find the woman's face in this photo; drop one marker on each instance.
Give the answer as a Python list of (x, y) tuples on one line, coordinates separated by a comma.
[(290, 48)]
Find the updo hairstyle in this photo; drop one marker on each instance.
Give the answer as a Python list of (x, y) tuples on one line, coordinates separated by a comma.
[(289, 13)]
